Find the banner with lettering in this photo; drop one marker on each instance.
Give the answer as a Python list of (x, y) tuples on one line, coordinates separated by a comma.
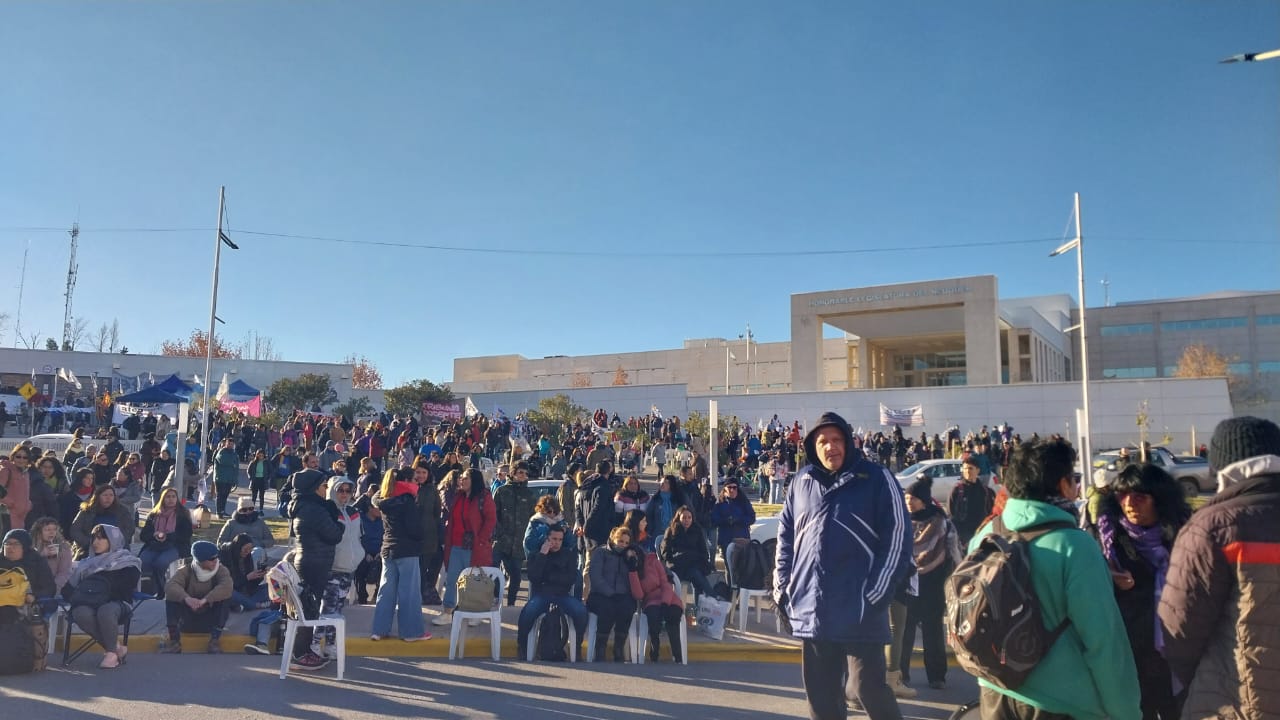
[(452, 410), (903, 417), (123, 410), (251, 407)]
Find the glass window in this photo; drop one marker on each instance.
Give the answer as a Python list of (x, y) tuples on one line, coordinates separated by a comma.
[(1131, 329), (1129, 373), (1206, 324), (1268, 319), (1270, 366)]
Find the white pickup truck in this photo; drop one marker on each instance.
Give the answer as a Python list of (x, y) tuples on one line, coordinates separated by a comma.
[(1191, 472)]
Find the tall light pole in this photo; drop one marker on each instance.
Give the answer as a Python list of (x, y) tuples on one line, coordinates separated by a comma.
[(218, 242), (1077, 244)]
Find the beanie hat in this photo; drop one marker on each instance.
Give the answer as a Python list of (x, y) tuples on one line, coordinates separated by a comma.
[(306, 481), (921, 490), (244, 503), (204, 551), (1241, 438), (970, 459)]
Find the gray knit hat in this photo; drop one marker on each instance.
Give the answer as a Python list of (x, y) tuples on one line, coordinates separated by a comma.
[(1241, 438)]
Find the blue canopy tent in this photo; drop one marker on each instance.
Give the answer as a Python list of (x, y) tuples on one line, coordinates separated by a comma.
[(151, 396), (173, 384), (241, 391)]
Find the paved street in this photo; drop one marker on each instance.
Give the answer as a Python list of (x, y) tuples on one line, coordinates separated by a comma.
[(200, 687)]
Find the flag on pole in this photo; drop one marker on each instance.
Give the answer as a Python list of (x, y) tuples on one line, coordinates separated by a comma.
[(70, 378), (656, 412), (151, 379), (470, 409), (196, 377), (224, 387)]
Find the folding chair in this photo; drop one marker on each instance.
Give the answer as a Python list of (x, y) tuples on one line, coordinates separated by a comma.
[(126, 621), (293, 618)]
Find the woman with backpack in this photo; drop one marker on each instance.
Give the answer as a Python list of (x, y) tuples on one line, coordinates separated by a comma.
[(1137, 523)]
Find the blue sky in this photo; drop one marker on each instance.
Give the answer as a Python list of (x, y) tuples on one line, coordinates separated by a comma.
[(664, 137)]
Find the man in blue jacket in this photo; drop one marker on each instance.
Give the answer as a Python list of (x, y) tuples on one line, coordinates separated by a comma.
[(844, 546)]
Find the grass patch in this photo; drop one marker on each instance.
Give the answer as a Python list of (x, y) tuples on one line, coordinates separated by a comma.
[(767, 510), (279, 530)]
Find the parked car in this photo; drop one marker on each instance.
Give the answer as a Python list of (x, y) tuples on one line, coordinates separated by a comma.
[(944, 474), (1191, 472)]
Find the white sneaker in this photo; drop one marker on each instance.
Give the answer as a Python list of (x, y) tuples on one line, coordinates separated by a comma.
[(443, 619)]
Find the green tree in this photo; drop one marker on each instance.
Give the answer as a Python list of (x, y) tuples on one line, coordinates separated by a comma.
[(408, 398), (354, 408), (553, 413), (50, 344), (309, 392)]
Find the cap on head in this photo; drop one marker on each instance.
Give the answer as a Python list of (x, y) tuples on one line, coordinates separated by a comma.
[(204, 551), (1241, 438), (244, 503)]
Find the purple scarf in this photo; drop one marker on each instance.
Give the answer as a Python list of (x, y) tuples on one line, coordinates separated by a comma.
[(1149, 542)]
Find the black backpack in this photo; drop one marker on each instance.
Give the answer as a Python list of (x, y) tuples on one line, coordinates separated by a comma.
[(17, 648), (992, 618), (752, 567), (553, 636)]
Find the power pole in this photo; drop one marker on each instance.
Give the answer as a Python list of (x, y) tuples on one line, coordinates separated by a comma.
[(72, 270), (1106, 291)]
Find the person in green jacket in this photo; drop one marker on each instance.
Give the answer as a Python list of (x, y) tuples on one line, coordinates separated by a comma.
[(226, 471), (513, 503), (1088, 674)]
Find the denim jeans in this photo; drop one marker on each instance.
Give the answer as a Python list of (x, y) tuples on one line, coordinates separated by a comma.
[(400, 590), (250, 601), (538, 604), (156, 562), (459, 560)]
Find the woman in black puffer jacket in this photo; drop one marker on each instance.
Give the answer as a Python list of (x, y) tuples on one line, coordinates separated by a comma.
[(684, 550), (316, 525)]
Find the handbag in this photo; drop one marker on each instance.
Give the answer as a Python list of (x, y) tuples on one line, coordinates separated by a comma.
[(475, 591), (712, 616), (93, 591), (14, 587)]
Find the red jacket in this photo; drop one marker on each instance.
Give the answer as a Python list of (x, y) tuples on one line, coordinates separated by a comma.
[(654, 588), (478, 517)]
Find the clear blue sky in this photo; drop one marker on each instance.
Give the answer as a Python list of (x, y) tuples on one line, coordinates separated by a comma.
[(669, 128)]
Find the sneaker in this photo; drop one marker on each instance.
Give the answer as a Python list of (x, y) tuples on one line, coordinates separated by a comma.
[(256, 649), (375, 638), (423, 636), (432, 598), (442, 619), (473, 622), (172, 647), (310, 661)]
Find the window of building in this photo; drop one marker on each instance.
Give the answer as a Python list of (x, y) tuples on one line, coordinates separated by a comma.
[(1206, 324), (1268, 319), (1269, 366), (1131, 329), (1129, 373)]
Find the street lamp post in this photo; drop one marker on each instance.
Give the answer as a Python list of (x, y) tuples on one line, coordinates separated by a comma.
[(1077, 244), (218, 242)]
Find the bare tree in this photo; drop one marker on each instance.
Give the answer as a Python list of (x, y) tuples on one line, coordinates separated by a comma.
[(113, 335), (79, 333), (98, 338), (259, 347), (31, 340)]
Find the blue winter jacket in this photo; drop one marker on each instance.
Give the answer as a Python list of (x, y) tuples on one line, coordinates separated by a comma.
[(842, 552), (732, 520), (372, 530)]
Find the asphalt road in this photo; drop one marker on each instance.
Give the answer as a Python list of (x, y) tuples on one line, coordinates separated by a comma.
[(200, 687)]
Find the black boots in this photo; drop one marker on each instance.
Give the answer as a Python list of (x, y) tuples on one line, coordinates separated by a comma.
[(673, 637), (653, 647), (619, 645), (602, 643)]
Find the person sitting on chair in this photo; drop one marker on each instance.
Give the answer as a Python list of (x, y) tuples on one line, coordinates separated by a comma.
[(19, 553), (100, 589), (553, 570), (198, 594)]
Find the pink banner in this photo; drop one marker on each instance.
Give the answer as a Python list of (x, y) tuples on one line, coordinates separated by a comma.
[(252, 408)]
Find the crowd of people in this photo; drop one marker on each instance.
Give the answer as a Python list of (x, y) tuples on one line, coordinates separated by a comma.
[(394, 513)]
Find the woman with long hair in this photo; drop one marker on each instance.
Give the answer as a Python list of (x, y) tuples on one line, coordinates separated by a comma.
[(469, 519), (659, 600), (259, 473), (1137, 523), (46, 538), (166, 536), (638, 524), (100, 509), (161, 465), (400, 590), (661, 508), (684, 550)]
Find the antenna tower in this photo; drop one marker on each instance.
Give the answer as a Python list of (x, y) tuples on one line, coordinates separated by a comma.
[(72, 270)]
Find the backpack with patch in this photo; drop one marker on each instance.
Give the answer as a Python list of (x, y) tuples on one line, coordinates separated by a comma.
[(553, 636), (284, 587), (993, 620), (14, 588), (752, 567)]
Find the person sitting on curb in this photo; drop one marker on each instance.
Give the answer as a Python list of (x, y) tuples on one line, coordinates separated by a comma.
[(553, 571), (198, 594), (248, 520)]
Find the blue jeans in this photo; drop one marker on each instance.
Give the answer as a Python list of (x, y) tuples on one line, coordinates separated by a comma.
[(156, 562), (459, 560), (400, 588), (249, 602), (539, 604)]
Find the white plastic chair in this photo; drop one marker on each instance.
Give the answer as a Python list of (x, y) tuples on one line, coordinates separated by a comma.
[(748, 597), (293, 606), (532, 640), (457, 631), (592, 621), (640, 627)]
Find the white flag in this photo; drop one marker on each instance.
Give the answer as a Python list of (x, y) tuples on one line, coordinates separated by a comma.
[(196, 378), (71, 378), (223, 388), (471, 410)]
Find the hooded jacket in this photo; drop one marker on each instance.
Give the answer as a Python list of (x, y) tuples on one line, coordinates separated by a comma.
[(513, 507), (554, 573), (117, 515), (844, 546), (315, 523), (249, 522), (654, 588), (594, 510), (536, 533), (32, 564), (1072, 582), (348, 554), (402, 523), (1218, 607)]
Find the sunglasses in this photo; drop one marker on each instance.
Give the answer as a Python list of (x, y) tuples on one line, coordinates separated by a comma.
[(21, 457)]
